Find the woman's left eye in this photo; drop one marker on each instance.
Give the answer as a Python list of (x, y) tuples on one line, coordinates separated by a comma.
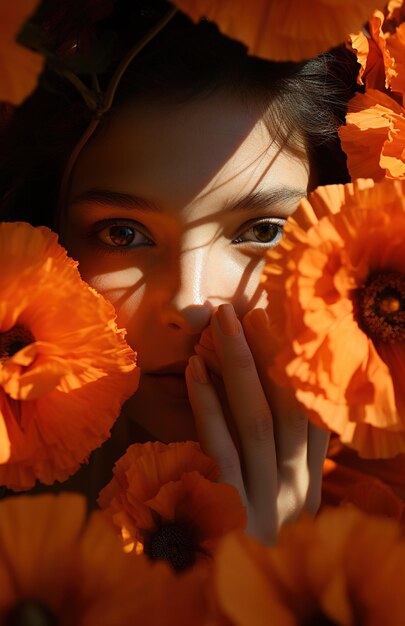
[(264, 232)]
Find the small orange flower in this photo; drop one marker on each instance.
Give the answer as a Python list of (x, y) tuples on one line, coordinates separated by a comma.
[(374, 136), (65, 368), (164, 503), (396, 47), (339, 282), (20, 67), (272, 31), (58, 567), (343, 568), (377, 65)]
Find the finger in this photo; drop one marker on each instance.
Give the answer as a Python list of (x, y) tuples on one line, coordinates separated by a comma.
[(210, 358), (318, 442), (211, 427), (289, 418), (250, 411)]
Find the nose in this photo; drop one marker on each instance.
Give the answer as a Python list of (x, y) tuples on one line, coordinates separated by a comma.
[(190, 283)]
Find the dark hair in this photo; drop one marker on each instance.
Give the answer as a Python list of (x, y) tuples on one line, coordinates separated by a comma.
[(301, 100)]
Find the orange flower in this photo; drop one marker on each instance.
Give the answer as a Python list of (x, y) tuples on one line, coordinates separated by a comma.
[(396, 47), (343, 485), (376, 62), (374, 136), (343, 568), (58, 567), (65, 368), (272, 31), (20, 67), (164, 502), (342, 269)]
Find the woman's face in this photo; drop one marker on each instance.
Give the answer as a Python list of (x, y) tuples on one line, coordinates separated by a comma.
[(170, 212)]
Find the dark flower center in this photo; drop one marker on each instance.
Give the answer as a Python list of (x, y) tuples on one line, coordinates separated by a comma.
[(379, 306), (172, 543), (30, 613), (14, 340)]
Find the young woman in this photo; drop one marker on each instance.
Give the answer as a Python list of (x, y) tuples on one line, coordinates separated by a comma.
[(170, 208)]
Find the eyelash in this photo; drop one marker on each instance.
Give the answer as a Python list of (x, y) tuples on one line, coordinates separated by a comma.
[(99, 227)]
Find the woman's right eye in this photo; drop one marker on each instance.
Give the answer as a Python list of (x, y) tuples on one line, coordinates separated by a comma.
[(122, 235)]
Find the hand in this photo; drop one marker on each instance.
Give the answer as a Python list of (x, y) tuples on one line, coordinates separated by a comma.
[(256, 432)]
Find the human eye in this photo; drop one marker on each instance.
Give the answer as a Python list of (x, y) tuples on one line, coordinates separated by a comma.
[(262, 232), (121, 234)]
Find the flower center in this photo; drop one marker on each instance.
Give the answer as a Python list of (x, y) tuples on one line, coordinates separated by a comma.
[(30, 613), (172, 543), (379, 306), (14, 340)]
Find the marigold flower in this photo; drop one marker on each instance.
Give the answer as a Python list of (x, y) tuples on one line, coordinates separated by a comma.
[(396, 47), (340, 309), (65, 368), (20, 67), (163, 501), (58, 567), (374, 136), (271, 31), (342, 568)]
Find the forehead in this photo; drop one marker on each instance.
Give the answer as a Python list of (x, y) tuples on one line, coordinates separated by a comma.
[(178, 155)]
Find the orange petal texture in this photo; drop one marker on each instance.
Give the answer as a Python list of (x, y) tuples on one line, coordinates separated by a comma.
[(65, 367), (396, 47), (374, 136), (377, 65), (19, 66), (315, 574), (57, 564), (279, 32), (157, 485), (346, 374)]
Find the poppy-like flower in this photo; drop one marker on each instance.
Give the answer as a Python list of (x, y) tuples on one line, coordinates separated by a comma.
[(337, 292), (271, 31), (343, 568), (65, 367), (57, 567), (374, 136), (20, 67), (377, 65), (163, 501)]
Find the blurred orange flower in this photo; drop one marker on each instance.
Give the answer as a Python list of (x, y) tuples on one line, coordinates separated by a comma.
[(337, 293), (65, 368), (342, 568), (271, 30), (58, 567), (374, 136), (164, 503), (20, 67)]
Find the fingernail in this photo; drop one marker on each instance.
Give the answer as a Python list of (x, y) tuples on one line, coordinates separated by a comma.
[(228, 322), (198, 369), (259, 320)]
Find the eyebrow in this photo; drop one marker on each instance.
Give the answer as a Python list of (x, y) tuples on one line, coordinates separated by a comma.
[(255, 200)]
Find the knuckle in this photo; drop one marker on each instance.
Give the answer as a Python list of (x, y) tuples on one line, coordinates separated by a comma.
[(261, 425)]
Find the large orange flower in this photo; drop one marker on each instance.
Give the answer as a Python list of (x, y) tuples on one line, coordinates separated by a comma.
[(396, 47), (271, 30), (19, 67), (343, 568), (164, 502), (65, 368), (58, 567), (374, 136), (337, 288)]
